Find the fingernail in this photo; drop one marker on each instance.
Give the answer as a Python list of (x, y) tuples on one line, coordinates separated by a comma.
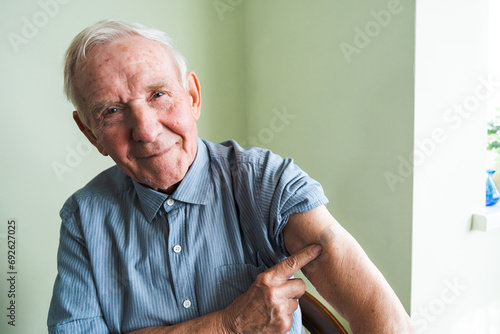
[(316, 249)]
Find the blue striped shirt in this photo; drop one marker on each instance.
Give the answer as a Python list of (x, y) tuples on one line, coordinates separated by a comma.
[(131, 257)]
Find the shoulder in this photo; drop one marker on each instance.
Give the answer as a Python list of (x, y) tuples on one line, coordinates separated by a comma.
[(232, 153), (108, 185), (265, 172)]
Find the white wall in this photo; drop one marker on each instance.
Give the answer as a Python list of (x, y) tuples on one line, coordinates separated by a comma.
[(455, 271)]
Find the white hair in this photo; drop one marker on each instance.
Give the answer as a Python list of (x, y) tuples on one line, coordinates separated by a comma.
[(105, 32)]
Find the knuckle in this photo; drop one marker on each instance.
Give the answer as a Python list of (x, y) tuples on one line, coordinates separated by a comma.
[(281, 320), (285, 325), (264, 279), (281, 310), (272, 297), (291, 262)]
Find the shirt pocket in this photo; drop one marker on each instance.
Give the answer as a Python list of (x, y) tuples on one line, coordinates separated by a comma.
[(233, 280)]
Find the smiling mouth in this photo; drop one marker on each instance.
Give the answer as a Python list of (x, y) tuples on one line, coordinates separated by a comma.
[(154, 155)]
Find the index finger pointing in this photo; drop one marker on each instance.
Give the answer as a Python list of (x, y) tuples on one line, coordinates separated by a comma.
[(289, 266)]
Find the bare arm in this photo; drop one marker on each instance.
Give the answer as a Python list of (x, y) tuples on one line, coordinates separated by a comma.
[(344, 275)]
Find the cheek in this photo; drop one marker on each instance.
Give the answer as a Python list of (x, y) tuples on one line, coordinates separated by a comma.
[(115, 144), (184, 127), (181, 119)]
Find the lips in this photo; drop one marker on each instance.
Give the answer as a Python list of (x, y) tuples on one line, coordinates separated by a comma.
[(154, 154)]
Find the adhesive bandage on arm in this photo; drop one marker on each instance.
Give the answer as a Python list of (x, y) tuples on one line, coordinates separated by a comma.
[(328, 234)]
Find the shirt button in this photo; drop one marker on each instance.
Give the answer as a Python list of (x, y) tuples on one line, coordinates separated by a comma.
[(186, 303), (170, 202), (177, 248)]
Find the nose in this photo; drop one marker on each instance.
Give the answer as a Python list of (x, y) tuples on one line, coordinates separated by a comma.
[(145, 123)]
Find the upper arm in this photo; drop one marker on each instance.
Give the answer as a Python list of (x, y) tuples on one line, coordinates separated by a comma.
[(75, 306), (303, 229), (344, 275), (329, 272)]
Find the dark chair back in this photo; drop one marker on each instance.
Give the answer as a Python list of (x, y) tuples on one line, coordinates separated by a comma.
[(317, 318)]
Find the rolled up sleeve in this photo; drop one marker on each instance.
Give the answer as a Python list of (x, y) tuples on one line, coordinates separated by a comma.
[(75, 306)]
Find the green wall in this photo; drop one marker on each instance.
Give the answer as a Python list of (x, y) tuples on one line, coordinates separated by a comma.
[(343, 87), (352, 116)]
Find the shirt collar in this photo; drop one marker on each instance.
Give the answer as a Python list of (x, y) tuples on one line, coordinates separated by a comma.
[(192, 189), (196, 184)]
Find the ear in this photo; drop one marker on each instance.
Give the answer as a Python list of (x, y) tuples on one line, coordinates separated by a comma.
[(195, 93), (88, 133)]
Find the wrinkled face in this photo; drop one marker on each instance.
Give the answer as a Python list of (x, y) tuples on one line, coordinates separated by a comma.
[(139, 113)]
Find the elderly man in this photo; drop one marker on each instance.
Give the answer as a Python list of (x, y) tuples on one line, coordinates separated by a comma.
[(184, 235)]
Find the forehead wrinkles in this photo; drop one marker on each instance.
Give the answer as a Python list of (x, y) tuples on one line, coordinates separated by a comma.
[(114, 69), (130, 78)]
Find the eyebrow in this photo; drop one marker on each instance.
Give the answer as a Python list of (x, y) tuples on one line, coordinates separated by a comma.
[(159, 85)]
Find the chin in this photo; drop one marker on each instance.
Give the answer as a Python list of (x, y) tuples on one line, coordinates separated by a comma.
[(161, 185)]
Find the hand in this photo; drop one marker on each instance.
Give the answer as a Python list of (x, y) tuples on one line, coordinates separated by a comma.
[(268, 304)]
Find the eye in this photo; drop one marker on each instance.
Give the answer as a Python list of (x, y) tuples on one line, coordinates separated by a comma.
[(111, 111), (157, 95)]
